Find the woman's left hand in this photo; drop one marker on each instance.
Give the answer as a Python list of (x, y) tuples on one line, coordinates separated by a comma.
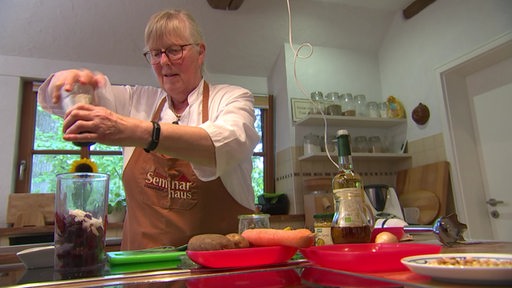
[(88, 123)]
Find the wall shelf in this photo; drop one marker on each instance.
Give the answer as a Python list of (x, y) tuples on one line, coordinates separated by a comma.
[(350, 121), (359, 156)]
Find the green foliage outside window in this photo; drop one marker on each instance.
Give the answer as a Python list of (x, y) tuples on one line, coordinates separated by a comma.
[(46, 166)]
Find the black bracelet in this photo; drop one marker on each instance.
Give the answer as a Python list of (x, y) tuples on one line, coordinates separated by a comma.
[(155, 137)]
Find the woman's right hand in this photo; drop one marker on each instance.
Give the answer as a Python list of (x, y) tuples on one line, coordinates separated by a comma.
[(67, 78)]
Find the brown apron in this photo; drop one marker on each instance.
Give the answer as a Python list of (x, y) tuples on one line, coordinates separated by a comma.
[(168, 204)]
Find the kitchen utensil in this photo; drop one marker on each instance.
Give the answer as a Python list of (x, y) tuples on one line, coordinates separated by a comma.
[(386, 201), (377, 194), (81, 203), (447, 229)]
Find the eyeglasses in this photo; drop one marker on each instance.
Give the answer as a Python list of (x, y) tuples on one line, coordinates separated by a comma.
[(173, 53)]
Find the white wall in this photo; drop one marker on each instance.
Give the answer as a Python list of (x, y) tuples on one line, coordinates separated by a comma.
[(444, 31), (326, 70)]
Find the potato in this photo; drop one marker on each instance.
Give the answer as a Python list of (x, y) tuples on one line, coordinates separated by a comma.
[(238, 240), (210, 242)]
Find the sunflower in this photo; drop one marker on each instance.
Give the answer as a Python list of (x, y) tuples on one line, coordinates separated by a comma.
[(83, 165)]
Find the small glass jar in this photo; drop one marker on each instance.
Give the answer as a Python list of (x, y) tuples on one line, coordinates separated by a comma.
[(360, 103), (361, 145), (318, 100), (383, 109), (375, 144), (332, 106), (347, 105), (322, 227), (373, 109), (253, 221), (312, 144)]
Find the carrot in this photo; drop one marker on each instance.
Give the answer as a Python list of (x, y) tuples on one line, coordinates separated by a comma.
[(299, 238)]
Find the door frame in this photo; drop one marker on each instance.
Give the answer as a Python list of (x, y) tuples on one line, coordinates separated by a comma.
[(459, 133)]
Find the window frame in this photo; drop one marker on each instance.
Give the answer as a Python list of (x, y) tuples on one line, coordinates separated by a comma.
[(26, 136), (266, 104)]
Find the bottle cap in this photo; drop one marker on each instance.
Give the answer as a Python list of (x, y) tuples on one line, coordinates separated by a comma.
[(342, 132)]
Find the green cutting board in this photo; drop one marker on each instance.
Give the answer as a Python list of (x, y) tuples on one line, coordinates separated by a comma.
[(141, 267), (143, 256)]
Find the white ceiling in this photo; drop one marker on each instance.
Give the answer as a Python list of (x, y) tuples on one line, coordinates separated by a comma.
[(243, 42)]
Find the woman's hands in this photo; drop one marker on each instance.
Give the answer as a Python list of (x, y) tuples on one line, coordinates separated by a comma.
[(67, 78), (89, 123)]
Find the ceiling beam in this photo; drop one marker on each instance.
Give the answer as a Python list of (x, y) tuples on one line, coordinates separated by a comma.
[(225, 4), (416, 7)]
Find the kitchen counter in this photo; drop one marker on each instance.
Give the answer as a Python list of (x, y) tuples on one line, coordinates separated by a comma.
[(297, 273)]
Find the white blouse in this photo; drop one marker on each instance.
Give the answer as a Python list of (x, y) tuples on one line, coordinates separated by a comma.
[(230, 126)]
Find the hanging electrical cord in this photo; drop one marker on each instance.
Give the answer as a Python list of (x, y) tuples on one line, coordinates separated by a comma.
[(296, 55)]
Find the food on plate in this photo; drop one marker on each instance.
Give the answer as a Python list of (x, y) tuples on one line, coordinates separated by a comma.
[(470, 262), (238, 240), (386, 237), (299, 238), (210, 242)]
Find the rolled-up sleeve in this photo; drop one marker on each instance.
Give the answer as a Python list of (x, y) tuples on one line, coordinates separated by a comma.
[(231, 129)]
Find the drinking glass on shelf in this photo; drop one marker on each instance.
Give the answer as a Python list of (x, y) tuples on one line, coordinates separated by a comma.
[(383, 109), (375, 144), (373, 109), (361, 144)]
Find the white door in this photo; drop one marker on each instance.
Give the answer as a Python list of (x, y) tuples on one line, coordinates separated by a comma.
[(493, 118)]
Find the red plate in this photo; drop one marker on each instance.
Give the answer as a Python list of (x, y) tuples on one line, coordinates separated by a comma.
[(367, 257), (244, 257)]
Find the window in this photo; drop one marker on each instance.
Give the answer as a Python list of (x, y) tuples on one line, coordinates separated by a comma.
[(43, 154), (263, 157)]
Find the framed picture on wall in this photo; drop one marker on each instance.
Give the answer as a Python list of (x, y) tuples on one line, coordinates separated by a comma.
[(300, 108)]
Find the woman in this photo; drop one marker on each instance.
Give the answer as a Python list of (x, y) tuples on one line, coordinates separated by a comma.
[(187, 146)]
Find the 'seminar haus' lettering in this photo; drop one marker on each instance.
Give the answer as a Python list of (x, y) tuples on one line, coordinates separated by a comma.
[(175, 187)]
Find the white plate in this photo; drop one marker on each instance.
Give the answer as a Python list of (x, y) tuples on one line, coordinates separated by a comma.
[(462, 274)]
